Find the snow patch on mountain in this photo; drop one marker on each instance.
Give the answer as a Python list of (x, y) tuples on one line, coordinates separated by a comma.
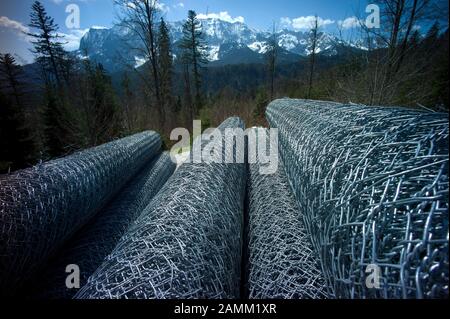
[(259, 47), (139, 61), (213, 53), (288, 41)]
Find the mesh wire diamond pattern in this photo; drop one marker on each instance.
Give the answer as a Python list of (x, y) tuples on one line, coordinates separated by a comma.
[(41, 207), (186, 243), (373, 185)]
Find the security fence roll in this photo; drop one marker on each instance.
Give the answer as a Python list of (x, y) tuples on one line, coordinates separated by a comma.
[(41, 207), (282, 263), (89, 246), (187, 242), (373, 185)]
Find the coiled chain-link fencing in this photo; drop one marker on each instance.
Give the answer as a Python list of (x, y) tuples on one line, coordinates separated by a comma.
[(186, 243), (41, 207), (281, 261), (372, 183), (89, 246)]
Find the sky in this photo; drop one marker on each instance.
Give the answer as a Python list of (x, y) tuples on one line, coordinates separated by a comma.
[(258, 14)]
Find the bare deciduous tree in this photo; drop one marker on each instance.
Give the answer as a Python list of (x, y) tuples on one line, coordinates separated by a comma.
[(140, 17)]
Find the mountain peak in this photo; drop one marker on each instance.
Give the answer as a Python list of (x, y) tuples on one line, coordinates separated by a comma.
[(226, 40)]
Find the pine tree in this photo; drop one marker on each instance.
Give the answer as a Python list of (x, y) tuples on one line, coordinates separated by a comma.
[(431, 37), (54, 126), (193, 47), (165, 66), (52, 58), (107, 117), (101, 118), (17, 145), (46, 41), (11, 72), (414, 40)]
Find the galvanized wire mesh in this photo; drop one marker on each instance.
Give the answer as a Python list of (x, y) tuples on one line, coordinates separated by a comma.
[(281, 261), (373, 185), (186, 243), (41, 207), (89, 246)]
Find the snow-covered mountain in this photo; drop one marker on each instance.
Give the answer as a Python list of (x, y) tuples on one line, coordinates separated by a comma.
[(228, 43)]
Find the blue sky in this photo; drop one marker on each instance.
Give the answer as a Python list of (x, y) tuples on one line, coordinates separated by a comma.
[(259, 14)]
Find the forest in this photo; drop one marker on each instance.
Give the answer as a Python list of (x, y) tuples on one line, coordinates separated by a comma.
[(75, 103)]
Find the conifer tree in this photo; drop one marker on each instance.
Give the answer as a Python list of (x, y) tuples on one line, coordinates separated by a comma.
[(47, 44), (17, 145), (193, 47), (101, 118), (165, 65), (50, 54)]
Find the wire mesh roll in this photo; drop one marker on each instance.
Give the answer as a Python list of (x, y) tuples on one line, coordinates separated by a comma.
[(281, 261), (373, 185), (187, 242), (41, 207), (97, 239)]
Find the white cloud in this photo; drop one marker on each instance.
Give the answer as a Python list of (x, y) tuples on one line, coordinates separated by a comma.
[(72, 39), (99, 27), (16, 26), (61, 1), (224, 16), (162, 6), (308, 22), (178, 5), (304, 23), (285, 22), (349, 23)]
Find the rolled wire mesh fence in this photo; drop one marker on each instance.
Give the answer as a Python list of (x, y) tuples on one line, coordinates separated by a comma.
[(373, 185), (187, 242), (41, 207), (89, 246), (281, 261)]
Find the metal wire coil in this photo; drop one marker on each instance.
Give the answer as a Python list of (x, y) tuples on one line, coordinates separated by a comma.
[(41, 207), (373, 185), (97, 239), (186, 243), (282, 263)]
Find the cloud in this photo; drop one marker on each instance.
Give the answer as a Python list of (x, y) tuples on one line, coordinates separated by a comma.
[(61, 1), (349, 23), (158, 5), (16, 26), (72, 39), (99, 27), (224, 16), (162, 7), (285, 22), (178, 5), (304, 23)]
